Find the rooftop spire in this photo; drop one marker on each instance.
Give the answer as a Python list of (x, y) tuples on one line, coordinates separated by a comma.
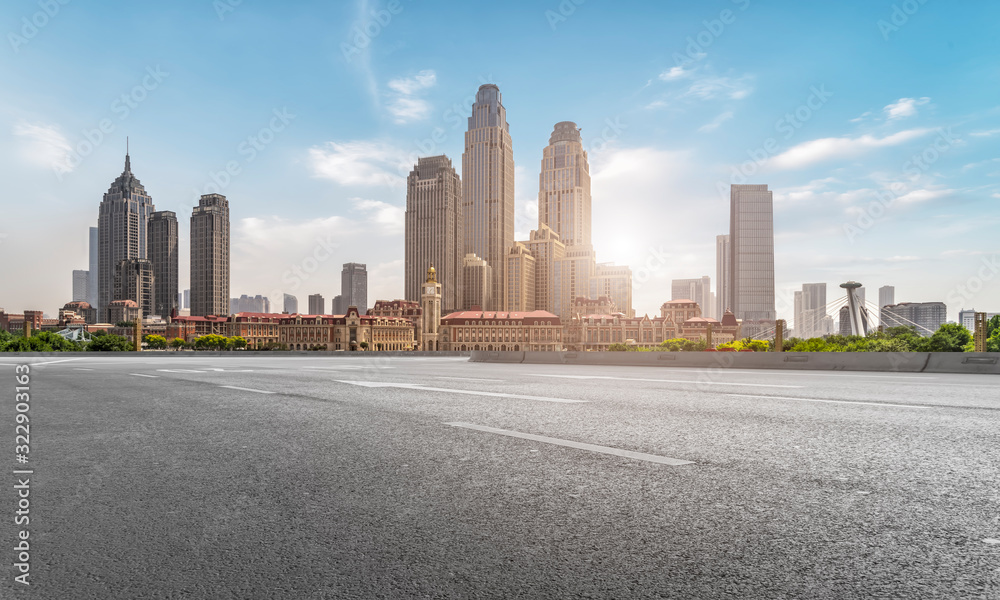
[(128, 161)]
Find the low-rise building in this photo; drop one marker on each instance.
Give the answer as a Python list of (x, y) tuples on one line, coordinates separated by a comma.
[(501, 331)]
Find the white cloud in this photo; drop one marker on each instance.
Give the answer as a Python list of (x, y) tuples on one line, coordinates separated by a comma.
[(904, 107), (674, 73), (709, 88), (716, 122), (861, 118), (389, 216), (361, 162), (45, 145), (996, 195), (919, 196), (990, 133), (815, 151), (403, 103)]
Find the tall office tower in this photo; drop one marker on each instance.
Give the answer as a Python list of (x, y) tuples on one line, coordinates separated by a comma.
[(95, 262), (80, 289), (163, 255), (544, 244), (520, 279), (337, 306), (488, 188), (751, 237), (564, 198), (477, 283), (354, 287), (723, 262), (615, 282), (813, 311), (135, 280), (699, 290), (210, 256), (571, 276), (291, 304), (434, 230), (317, 304), (886, 296), (122, 227), (180, 300), (187, 299)]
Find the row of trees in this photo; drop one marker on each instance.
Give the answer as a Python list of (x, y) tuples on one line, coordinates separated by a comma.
[(102, 341), (950, 337)]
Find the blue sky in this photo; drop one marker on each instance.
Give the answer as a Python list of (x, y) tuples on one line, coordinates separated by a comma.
[(876, 124)]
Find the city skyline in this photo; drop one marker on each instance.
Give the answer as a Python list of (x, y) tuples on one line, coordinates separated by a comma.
[(839, 158)]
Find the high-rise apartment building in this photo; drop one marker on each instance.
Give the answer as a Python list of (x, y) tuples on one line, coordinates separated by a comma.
[(134, 280), (337, 305), (434, 233), (723, 276), (290, 304), (571, 276), (751, 237), (317, 304), (699, 290), (210, 245), (122, 228), (811, 316), (187, 299), (163, 254), (95, 265), (544, 244), (886, 296), (250, 304), (614, 282), (564, 199), (967, 318), (925, 317), (488, 188), (477, 282), (520, 279), (354, 287), (81, 289)]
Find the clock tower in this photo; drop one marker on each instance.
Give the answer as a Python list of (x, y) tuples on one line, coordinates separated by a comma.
[(430, 302)]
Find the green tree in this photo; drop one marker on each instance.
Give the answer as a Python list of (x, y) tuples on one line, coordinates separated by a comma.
[(155, 342), (951, 337), (110, 343), (364, 345), (237, 342), (177, 343)]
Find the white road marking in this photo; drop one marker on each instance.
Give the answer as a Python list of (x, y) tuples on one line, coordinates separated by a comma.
[(79, 369), (179, 371), (230, 370), (769, 385), (242, 389), (141, 375), (414, 386), (54, 362), (468, 379), (991, 541), (350, 367), (731, 371), (830, 401), (663, 460)]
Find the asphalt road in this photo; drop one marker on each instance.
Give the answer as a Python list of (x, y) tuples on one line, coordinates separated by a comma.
[(364, 477)]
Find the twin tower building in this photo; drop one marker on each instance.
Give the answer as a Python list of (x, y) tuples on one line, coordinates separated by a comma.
[(464, 226)]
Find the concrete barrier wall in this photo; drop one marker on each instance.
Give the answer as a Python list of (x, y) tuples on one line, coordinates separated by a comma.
[(900, 362)]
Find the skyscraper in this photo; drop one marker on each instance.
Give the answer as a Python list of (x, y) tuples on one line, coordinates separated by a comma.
[(434, 230), (564, 200), (699, 290), (751, 236), (95, 261), (488, 188), (354, 287), (477, 282), (571, 277), (545, 245), (886, 296), (813, 312), (290, 304), (80, 288), (134, 280), (520, 279), (317, 304), (337, 305), (615, 282), (163, 255), (210, 256), (122, 228), (723, 262)]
